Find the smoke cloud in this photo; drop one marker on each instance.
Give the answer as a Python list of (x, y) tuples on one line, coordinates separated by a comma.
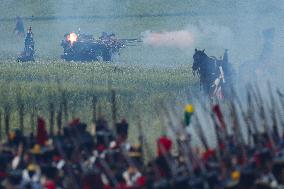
[(202, 34), (179, 39)]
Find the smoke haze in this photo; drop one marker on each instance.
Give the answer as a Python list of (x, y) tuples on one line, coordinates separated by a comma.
[(193, 36), (170, 30), (180, 39)]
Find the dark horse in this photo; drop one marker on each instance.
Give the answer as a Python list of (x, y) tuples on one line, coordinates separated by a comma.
[(211, 72)]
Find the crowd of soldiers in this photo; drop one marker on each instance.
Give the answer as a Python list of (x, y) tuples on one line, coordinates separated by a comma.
[(103, 158)]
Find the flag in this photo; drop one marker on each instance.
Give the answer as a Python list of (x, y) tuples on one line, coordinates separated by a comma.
[(188, 111)]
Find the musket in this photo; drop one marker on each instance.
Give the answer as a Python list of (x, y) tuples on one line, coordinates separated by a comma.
[(62, 107), (273, 115), (187, 148), (260, 104), (21, 109), (94, 107), (0, 125), (146, 148), (52, 115), (184, 149), (59, 117), (220, 125), (200, 133), (280, 95), (65, 105), (245, 118), (219, 131), (170, 164), (251, 105), (251, 109), (108, 171), (7, 112), (68, 167), (236, 125), (239, 135), (131, 40), (220, 136), (141, 135), (155, 167), (113, 108), (32, 117), (104, 164)]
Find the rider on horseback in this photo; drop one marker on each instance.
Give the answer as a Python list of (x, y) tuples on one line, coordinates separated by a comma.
[(212, 73)]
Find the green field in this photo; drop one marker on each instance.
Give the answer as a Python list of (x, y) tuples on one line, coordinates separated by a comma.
[(138, 89)]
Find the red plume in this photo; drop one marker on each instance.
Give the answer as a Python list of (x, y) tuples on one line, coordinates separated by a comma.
[(42, 136), (164, 145), (74, 122), (216, 109)]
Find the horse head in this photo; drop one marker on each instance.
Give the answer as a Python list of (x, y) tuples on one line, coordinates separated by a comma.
[(198, 58)]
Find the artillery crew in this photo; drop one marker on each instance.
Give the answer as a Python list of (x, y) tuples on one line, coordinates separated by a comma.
[(87, 48), (29, 41)]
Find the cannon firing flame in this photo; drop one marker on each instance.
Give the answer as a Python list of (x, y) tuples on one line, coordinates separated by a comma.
[(72, 37)]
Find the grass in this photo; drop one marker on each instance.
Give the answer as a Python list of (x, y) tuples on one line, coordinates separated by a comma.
[(138, 88)]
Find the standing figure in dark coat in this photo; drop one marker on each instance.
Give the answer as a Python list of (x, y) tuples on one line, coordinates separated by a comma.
[(19, 28), (29, 51), (29, 40)]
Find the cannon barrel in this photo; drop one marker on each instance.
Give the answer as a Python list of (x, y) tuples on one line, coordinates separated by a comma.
[(132, 40), (87, 48)]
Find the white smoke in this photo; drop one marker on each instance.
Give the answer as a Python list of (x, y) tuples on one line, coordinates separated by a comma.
[(179, 39), (201, 34)]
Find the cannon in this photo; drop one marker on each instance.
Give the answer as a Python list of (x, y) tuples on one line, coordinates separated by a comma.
[(82, 47)]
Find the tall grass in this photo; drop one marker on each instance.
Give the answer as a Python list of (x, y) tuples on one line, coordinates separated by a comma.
[(35, 87)]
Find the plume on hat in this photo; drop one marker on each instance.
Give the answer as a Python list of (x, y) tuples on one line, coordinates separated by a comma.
[(42, 135), (164, 145)]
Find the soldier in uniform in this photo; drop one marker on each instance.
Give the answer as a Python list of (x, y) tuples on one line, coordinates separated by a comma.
[(29, 40), (19, 28), (29, 43), (28, 53), (267, 50), (104, 36)]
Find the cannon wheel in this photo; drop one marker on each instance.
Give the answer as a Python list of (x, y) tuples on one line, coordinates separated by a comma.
[(99, 55), (102, 53)]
